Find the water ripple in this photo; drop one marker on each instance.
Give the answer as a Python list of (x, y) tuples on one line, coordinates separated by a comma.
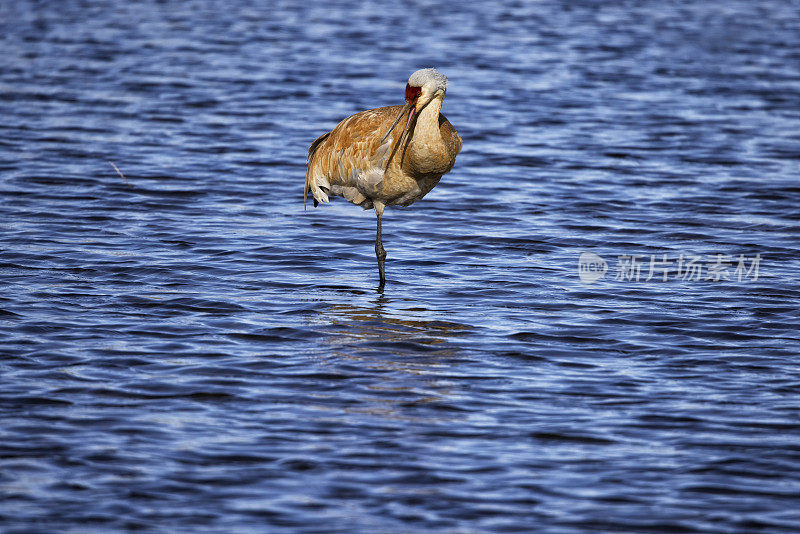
[(185, 348)]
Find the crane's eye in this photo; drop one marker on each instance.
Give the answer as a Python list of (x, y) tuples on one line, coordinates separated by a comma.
[(412, 93)]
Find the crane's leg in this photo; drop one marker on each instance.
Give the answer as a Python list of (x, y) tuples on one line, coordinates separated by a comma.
[(380, 253)]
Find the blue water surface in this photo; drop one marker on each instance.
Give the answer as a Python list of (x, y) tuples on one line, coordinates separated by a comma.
[(185, 349)]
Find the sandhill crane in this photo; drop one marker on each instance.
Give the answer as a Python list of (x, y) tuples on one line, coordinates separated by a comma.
[(373, 161)]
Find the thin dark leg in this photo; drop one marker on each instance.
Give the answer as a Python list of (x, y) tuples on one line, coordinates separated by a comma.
[(380, 253)]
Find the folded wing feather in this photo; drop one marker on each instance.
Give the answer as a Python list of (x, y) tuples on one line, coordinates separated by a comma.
[(350, 160)]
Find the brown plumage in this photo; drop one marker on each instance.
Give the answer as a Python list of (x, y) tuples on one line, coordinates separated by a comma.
[(374, 159)]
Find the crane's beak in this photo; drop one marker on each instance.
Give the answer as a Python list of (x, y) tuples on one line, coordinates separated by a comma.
[(396, 120), (406, 108), (411, 111)]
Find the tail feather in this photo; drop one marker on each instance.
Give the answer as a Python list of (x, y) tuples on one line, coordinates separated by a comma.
[(319, 187)]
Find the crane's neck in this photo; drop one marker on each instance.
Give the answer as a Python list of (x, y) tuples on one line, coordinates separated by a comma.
[(427, 127), (427, 146)]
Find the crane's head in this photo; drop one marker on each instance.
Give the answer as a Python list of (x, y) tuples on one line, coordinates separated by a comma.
[(422, 88)]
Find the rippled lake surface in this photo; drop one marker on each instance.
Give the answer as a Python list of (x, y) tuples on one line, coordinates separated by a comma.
[(186, 349)]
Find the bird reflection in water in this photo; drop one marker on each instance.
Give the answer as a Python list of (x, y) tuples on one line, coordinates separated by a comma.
[(404, 353)]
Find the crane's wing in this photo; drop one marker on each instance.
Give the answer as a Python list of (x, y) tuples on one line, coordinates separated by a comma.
[(350, 160)]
